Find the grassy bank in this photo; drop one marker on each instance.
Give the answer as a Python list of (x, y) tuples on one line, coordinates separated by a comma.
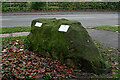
[(15, 29), (109, 28)]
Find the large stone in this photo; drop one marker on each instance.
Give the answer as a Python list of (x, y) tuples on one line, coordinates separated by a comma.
[(74, 48)]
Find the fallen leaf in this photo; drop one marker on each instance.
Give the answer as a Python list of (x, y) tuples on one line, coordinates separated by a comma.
[(3, 41), (109, 50)]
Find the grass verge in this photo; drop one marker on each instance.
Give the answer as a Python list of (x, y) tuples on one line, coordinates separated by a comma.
[(27, 29), (109, 28), (15, 29), (9, 39)]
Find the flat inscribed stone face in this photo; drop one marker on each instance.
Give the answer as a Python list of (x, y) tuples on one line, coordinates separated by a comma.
[(38, 24), (64, 28)]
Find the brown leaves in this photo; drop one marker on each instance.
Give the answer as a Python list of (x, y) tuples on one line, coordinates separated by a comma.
[(34, 71), (3, 41), (115, 63), (69, 70), (32, 56), (24, 64), (113, 72)]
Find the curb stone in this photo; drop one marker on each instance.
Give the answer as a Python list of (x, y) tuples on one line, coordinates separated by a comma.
[(55, 13), (14, 34)]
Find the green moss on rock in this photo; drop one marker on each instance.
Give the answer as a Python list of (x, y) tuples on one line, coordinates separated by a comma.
[(74, 48)]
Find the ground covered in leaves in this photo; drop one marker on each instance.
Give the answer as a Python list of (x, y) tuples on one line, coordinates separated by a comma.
[(18, 63)]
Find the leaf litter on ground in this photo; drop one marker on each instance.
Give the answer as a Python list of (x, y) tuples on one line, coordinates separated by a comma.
[(24, 64), (19, 63)]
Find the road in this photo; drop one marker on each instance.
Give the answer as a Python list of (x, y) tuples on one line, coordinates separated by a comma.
[(87, 19), (108, 38)]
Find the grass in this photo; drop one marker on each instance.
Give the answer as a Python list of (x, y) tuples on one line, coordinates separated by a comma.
[(14, 38), (111, 59), (14, 29), (110, 28), (28, 28), (9, 39)]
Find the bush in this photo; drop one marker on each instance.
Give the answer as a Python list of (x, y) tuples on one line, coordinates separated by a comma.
[(60, 5), (38, 5), (46, 8), (26, 9), (5, 9), (17, 8), (64, 5)]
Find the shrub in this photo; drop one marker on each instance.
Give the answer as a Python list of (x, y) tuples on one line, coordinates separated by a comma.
[(46, 8), (17, 8), (5, 9), (25, 9), (38, 5)]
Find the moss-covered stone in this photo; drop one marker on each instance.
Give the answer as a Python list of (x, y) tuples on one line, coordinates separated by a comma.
[(74, 47)]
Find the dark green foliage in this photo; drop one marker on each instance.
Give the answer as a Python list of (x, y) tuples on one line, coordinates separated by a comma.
[(5, 9), (90, 5), (15, 6), (68, 6), (64, 5), (38, 5), (7, 6), (74, 48)]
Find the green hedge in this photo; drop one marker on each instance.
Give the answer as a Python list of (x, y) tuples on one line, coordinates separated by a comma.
[(25, 6), (38, 5)]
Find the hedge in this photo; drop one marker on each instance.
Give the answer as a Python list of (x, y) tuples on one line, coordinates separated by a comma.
[(16, 6)]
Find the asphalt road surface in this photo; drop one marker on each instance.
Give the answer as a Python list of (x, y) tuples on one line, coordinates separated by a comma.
[(87, 19)]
